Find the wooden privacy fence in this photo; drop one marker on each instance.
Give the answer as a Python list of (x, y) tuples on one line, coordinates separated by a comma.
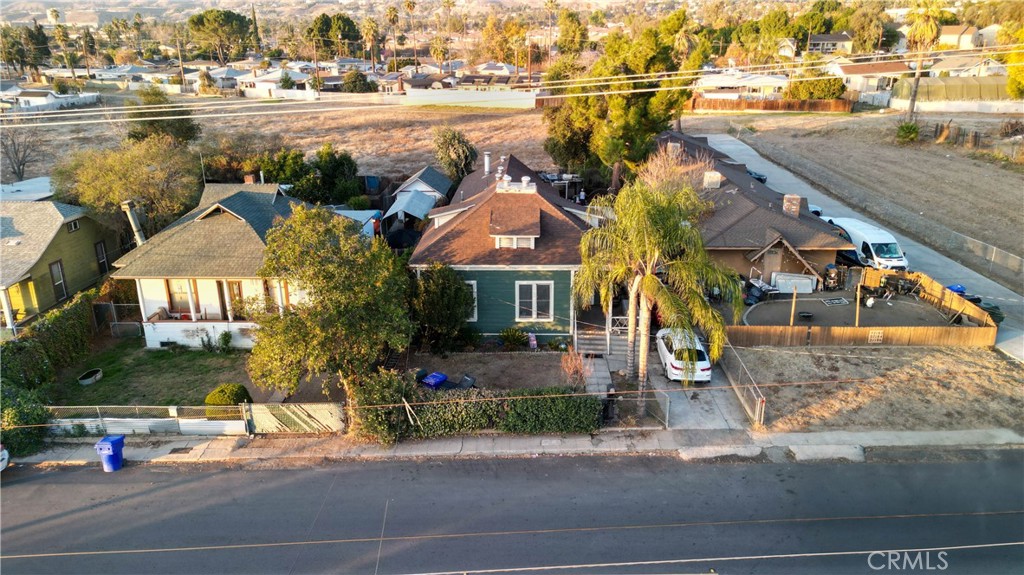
[(715, 105), (933, 293), (796, 336)]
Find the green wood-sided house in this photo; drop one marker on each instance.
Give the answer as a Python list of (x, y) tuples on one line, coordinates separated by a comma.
[(516, 242), (49, 251)]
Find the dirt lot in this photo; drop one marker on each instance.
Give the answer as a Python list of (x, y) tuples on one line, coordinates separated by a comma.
[(497, 370), (888, 388)]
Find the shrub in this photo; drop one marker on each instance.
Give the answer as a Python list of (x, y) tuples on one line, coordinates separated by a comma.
[(65, 332), (558, 414), (513, 338), (26, 364), (907, 132), (22, 407), (458, 417), (385, 425), (226, 394), (224, 342), (441, 305), (469, 336), (359, 202)]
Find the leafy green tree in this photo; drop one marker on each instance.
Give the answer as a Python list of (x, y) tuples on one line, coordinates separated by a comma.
[(572, 33), (228, 157), (454, 154), (598, 18), (355, 82), (825, 87), (149, 122), (355, 305), (1015, 70), (338, 174), (921, 36), (441, 305), (652, 245), (163, 178), (287, 82), (36, 46), (220, 31)]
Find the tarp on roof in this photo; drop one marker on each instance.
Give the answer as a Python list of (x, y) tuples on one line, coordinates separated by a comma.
[(985, 88), (415, 204), (364, 217)]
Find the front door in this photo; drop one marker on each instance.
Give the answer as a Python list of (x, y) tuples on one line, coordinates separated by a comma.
[(771, 263)]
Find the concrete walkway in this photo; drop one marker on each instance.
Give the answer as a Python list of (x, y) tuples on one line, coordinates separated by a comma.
[(922, 258), (686, 444)]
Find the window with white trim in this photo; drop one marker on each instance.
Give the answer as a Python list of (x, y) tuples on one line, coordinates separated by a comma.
[(535, 301), (472, 284), (514, 242), (73, 226)]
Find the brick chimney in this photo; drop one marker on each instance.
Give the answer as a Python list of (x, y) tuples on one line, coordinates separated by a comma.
[(249, 178), (791, 205)]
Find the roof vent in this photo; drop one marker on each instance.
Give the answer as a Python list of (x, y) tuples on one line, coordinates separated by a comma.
[(526, 181), (712, 180)]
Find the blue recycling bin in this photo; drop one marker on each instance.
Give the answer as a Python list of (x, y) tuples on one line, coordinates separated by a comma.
[(111, 451), (435, 380)]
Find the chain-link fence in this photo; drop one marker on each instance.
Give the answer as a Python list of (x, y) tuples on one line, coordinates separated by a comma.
[(123, 320), (750, 396)]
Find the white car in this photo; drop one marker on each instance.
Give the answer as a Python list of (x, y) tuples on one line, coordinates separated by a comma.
[(5, 458), (683, 356)]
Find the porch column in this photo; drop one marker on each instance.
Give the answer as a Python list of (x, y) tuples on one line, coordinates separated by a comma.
[(191, 300), (5, 299), (572, 307), (280, 298), (608, 327), (142, 301), (227, 299)]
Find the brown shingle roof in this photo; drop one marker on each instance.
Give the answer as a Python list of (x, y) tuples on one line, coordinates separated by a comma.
[(478, 181), (467, 239), (874, 68)]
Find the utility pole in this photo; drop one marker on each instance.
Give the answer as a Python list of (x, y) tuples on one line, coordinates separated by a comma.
[(181, 57), (316, 70)]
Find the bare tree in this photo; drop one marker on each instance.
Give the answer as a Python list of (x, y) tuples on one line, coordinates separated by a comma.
[(20, 144)]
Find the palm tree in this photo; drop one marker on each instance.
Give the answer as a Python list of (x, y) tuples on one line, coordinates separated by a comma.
[(370, 31), (391, 17), (53, 15), (924, 31), (60, 34), (439, 48), (652, 245), (409, 6)]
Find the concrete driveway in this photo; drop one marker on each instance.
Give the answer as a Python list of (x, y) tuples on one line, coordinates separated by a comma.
[(922, 258), (698, 406)]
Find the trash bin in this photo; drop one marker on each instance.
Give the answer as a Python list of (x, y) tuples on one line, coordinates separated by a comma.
[(111, 451)]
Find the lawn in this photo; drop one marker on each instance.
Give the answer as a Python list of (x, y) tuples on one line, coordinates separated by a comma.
[(134, 375)]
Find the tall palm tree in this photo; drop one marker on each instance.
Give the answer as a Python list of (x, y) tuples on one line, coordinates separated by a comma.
[(923, 32), (60, 34), (391, 17), (439, 48), (370, 31), (409, 6), (652, 245)]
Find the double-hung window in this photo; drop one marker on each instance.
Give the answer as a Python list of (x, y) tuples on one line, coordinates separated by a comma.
[(101, 257), (534, 301)]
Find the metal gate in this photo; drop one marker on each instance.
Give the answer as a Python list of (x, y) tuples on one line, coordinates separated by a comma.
[(297, 418)]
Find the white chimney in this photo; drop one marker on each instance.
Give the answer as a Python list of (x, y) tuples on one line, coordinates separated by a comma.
[(128, 206), (526, 181), (791, 205), (487, 163), (712, 180)]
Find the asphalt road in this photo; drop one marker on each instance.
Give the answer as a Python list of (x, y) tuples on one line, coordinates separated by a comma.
[(475, 515), (922, 258)]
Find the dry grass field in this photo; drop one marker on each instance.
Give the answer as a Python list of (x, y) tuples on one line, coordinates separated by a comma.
[(894, 388)]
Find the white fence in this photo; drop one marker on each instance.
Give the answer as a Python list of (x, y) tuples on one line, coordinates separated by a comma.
[(519, 100), (191, 333), (972, 106), (168, 88), (139, 419)]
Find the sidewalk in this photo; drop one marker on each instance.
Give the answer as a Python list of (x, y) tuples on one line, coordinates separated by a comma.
[(686, 444)]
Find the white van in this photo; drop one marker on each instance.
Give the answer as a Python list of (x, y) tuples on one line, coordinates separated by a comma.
[(875, 247)]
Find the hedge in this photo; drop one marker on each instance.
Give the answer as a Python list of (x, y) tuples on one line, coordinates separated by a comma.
[(26, 364), (456, 412), (22, 407), (562, 413), (226, 394), (64, 333)]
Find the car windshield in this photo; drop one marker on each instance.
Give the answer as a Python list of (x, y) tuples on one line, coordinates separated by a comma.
[(891, 250), (690, 355)]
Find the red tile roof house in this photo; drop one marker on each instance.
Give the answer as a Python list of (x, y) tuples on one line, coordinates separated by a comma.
[(516, 242), (192, 275)]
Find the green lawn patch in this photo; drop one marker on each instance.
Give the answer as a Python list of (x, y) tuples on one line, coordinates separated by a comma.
[(134, 375)]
